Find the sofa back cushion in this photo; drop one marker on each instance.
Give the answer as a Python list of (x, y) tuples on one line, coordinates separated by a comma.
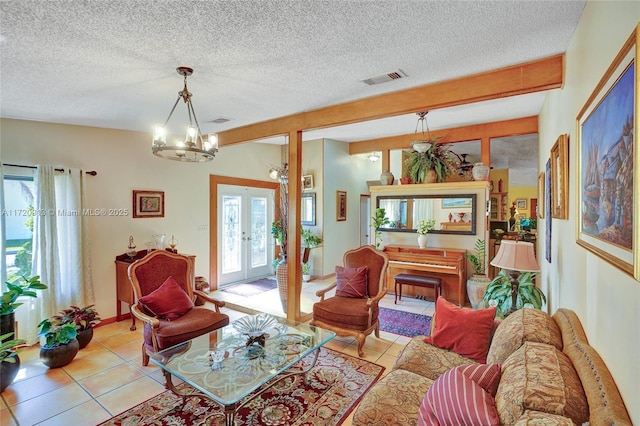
[(524, 325), (540, 377)]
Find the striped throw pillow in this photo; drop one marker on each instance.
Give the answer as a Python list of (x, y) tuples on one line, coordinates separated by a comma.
[(462, 396)]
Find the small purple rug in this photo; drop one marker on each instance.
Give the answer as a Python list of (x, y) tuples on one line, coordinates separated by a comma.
[(404, 323), (251, 288)]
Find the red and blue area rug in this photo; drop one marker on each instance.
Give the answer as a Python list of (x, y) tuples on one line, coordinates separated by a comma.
[(404, 323)]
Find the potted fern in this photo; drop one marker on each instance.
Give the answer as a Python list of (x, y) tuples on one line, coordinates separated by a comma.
[(498, 293), (478, 282)]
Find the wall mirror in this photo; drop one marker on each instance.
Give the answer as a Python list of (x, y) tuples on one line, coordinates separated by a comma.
[(453, 214), (308, 213)]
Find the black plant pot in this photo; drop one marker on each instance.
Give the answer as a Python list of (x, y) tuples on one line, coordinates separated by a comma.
[(84, 337), (8, 371), (8, 324), (59, 356)]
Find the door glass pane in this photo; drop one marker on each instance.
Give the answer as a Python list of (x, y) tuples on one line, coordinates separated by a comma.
[(231, 234), (258, 231)]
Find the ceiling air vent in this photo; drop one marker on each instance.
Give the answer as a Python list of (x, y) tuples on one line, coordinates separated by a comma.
[(220, 120), (393, 75)]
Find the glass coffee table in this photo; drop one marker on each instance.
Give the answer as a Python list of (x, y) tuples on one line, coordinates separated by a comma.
[(227, 365)]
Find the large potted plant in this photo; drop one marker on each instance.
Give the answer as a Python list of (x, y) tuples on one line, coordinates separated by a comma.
[(478, 282), (21, 286), (84, 318), (430, 162), (498, 293), (61, 345), (9, 360), (378, 220)]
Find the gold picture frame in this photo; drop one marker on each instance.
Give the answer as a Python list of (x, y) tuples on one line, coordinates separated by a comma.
[(559, 177), (148, 203), (540, 207), (521, 204), (341, 206), (608, 162)]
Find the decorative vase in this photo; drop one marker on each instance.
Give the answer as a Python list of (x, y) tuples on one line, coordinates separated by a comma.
[(9, 372), (306, 277), (422, 240), (59, 356), (281, 278), (432, 177), (84, 337), (476, 287), (386, 178), (480, 171)]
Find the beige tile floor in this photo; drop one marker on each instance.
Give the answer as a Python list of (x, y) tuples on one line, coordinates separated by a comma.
[(107, 377)]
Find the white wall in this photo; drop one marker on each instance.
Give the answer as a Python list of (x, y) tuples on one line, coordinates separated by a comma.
[(124, 162), (343, 173), (606, 300)]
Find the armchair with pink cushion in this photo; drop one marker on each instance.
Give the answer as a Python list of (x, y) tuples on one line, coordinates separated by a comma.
[(360, 285), (164, 288)]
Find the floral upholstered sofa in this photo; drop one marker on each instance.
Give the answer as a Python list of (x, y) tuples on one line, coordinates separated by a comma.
[(547, 375)]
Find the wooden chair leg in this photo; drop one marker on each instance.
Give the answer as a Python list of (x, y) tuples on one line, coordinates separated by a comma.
[(361, 338), (377, 330), (145, 356)]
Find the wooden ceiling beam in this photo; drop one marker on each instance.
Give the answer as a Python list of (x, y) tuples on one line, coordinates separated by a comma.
[(496, 129), (529, 77)]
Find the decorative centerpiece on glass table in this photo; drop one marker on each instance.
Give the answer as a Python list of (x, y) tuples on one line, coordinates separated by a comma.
[(255, 327)]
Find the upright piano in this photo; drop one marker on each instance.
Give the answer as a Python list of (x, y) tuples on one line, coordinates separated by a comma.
[(444, 263)]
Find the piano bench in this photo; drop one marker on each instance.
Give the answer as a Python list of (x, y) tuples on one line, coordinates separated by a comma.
[(418, 281)]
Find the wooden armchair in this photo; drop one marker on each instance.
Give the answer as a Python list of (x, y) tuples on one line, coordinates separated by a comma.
[(353, 316), (163, 311)]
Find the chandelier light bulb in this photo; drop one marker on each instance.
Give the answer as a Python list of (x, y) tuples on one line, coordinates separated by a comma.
[(192, 132), (159, 135)]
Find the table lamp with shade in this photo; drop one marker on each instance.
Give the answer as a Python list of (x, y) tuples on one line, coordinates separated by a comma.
[(515, 257)]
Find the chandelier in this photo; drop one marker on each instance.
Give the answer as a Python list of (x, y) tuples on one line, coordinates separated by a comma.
[(194, 148)]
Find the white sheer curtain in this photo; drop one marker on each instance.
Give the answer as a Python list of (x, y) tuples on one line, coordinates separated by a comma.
[(422, 209), (60, 248)]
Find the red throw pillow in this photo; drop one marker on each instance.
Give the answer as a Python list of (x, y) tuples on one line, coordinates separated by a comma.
[(169, 301), (352, 282), (465, 331), (462, 396)]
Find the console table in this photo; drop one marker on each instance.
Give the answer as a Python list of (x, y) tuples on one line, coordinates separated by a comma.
[(124, 290)]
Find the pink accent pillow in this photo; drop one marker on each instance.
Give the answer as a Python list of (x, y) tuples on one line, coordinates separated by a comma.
[(169, 301), (465, 331), (352, 282), (462, 395)]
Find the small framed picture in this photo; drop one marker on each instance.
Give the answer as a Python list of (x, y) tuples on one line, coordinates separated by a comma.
[(307, 182), (148, 203), (521, 204), (341, 205)]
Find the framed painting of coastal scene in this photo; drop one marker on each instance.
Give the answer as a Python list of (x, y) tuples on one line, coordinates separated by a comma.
[(608, 161)]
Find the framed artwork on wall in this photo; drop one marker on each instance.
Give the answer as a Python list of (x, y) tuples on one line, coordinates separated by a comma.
[(609, 162), (341, 205), (540, 207), (559, 176), (547, 211), (307, 182), (521, 204), (148, 203)]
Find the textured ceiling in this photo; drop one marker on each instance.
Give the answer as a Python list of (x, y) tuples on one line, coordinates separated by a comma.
[(112, 63)]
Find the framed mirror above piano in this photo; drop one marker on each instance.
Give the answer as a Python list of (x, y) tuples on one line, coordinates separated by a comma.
[(453, 213)]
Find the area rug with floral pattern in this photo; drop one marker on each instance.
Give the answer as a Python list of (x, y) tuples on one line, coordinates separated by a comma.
[(404, 323), (325, 395)]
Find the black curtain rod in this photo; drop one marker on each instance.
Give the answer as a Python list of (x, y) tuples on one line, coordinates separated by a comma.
[(92, 172)]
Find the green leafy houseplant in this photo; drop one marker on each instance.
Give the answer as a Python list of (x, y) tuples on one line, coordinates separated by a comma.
[(437, 157), (309, 239), (378, 220), (477, 257), (498, 292), (9, 348), (425, 225), (23, 286), (306, 268), (57, 334), (84, 318)]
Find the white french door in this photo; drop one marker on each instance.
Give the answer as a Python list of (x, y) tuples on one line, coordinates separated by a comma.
[(244, 233)]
